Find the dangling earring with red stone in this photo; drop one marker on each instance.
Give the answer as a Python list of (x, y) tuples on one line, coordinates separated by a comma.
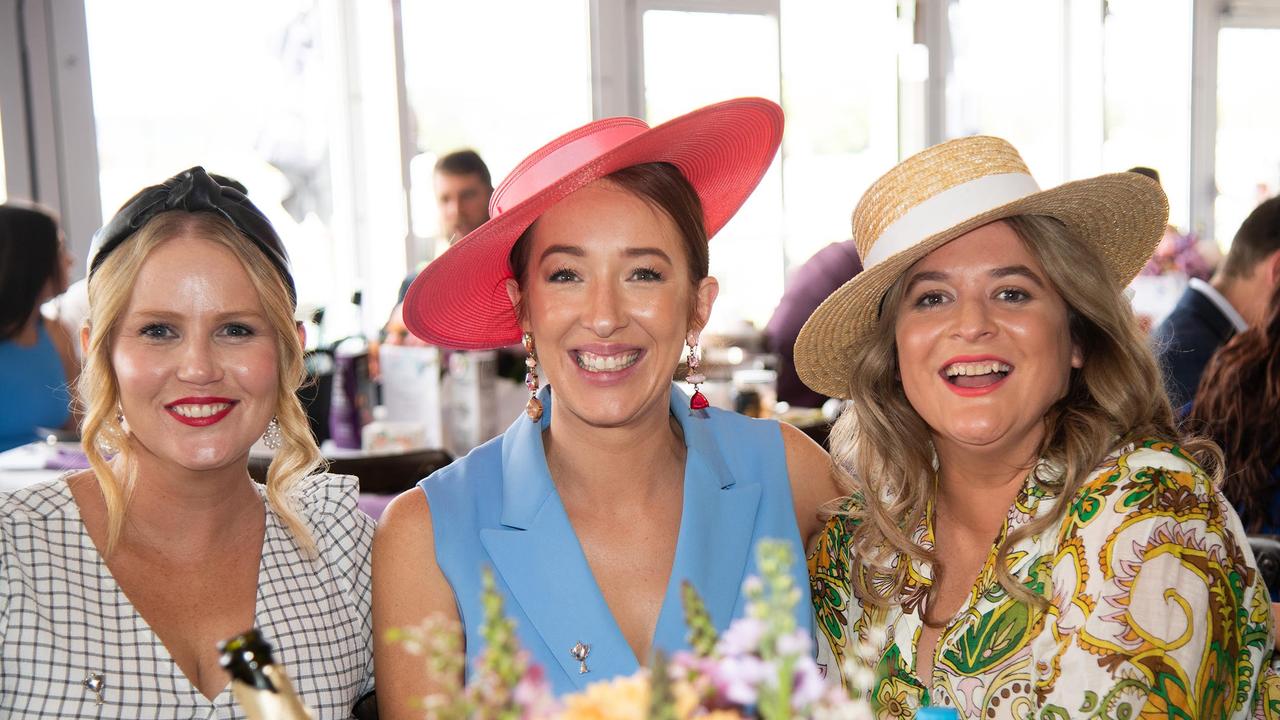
[(698, 403), (534, 407)]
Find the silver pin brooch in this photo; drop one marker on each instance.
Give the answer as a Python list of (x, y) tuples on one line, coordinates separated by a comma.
[(580, 652), (95, 683)]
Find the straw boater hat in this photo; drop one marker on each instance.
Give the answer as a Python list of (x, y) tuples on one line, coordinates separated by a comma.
[(460, 300), (943, 192)]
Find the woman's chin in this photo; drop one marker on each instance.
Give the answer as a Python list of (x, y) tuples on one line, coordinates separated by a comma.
[(608, 407)]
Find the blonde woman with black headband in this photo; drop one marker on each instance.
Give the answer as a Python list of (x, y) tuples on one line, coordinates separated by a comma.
[(118, 582)]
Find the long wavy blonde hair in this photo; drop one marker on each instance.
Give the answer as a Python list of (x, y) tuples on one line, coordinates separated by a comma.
[(1113, 400), (106, 440)]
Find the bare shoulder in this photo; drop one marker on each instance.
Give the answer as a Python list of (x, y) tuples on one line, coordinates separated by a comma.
[(408, 588), (813, 478), (407, 517)]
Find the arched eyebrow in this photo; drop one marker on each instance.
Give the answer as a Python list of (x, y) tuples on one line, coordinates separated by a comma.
[(1018, 271), (646, 251), (573, 250), (925, 276)]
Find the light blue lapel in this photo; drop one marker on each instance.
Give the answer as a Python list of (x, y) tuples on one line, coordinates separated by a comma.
[(715, 530), (538, 557)]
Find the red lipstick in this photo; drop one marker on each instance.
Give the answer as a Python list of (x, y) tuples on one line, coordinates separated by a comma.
[(200, 421)]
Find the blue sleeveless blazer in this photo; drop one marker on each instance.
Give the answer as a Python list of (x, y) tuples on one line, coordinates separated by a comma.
[(497, 507)]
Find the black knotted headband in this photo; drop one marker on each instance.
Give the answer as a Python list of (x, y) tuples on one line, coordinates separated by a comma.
[(194, 190)]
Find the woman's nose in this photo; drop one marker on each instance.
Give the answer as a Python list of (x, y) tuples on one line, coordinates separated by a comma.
[(605, 315), (973, 320), (199, 363)]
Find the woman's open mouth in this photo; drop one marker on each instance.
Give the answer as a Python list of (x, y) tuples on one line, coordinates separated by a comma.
[(975, 377), (595, 363)]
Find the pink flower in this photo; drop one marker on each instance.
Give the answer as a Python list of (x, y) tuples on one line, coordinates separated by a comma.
[(795, 643), (738, 678), (808, 686), (742, 637)]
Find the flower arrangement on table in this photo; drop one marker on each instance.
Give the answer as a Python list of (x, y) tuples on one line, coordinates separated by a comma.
[(761, 667)]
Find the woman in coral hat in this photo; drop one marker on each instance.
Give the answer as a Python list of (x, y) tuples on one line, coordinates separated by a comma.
[(616, 486), (1023, 530)]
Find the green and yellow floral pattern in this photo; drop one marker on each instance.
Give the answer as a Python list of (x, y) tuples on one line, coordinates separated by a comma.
[(1155, 608)]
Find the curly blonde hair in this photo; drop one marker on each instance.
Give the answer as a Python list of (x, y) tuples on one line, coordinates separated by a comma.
[(105, 438), (1112, 401)]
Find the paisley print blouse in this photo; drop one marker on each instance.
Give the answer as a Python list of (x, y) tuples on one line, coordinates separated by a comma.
[(1155, 608)]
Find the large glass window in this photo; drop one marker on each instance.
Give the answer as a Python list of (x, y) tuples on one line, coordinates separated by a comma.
[(1007, 78), (682, 50), (1147, 121), (502, 77), (826, 60), (840, 89), (1248, 146), (183, 84)]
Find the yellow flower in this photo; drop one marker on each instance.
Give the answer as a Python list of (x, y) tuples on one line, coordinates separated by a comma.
[(894, 699), (623, 699), (721, 715)]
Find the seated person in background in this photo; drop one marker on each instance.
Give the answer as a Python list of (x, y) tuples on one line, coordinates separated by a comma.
[(38, 364), (1234, 299), (117, 583), (1238, 406), (1022, 527), (616, 487), (809, 284)]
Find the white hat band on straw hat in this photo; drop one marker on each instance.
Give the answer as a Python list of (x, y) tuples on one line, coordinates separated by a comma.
[(948, 208)]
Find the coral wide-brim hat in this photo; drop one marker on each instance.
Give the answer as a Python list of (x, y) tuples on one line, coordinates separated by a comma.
[(945, 191), (460, 299)]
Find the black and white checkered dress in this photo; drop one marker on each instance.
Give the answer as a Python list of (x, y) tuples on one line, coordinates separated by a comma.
[(62, 615)]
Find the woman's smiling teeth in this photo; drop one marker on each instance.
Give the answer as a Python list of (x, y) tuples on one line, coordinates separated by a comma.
[(200, 411), (606, 363), (976, 368), (976, 374)]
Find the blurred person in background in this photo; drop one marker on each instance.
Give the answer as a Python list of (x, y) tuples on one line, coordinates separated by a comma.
[(809, 284), (463, 188), (1209, 313), (118, 582), (38, 364), (1238, 406)]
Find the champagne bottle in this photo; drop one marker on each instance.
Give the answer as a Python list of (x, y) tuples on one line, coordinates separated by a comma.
[(261, 687)]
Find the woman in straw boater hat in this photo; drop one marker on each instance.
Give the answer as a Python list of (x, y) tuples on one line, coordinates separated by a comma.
[(1022, 525), (617, 486)]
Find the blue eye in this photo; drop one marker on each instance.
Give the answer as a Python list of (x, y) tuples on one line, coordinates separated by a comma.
[(563, 275), (647, 274), (156, 331), (239, 330)]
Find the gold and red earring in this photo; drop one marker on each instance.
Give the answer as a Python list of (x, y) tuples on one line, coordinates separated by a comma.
[(698, 403)]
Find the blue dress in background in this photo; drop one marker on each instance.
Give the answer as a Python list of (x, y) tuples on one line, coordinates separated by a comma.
[(33, 384), (499, 508)]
